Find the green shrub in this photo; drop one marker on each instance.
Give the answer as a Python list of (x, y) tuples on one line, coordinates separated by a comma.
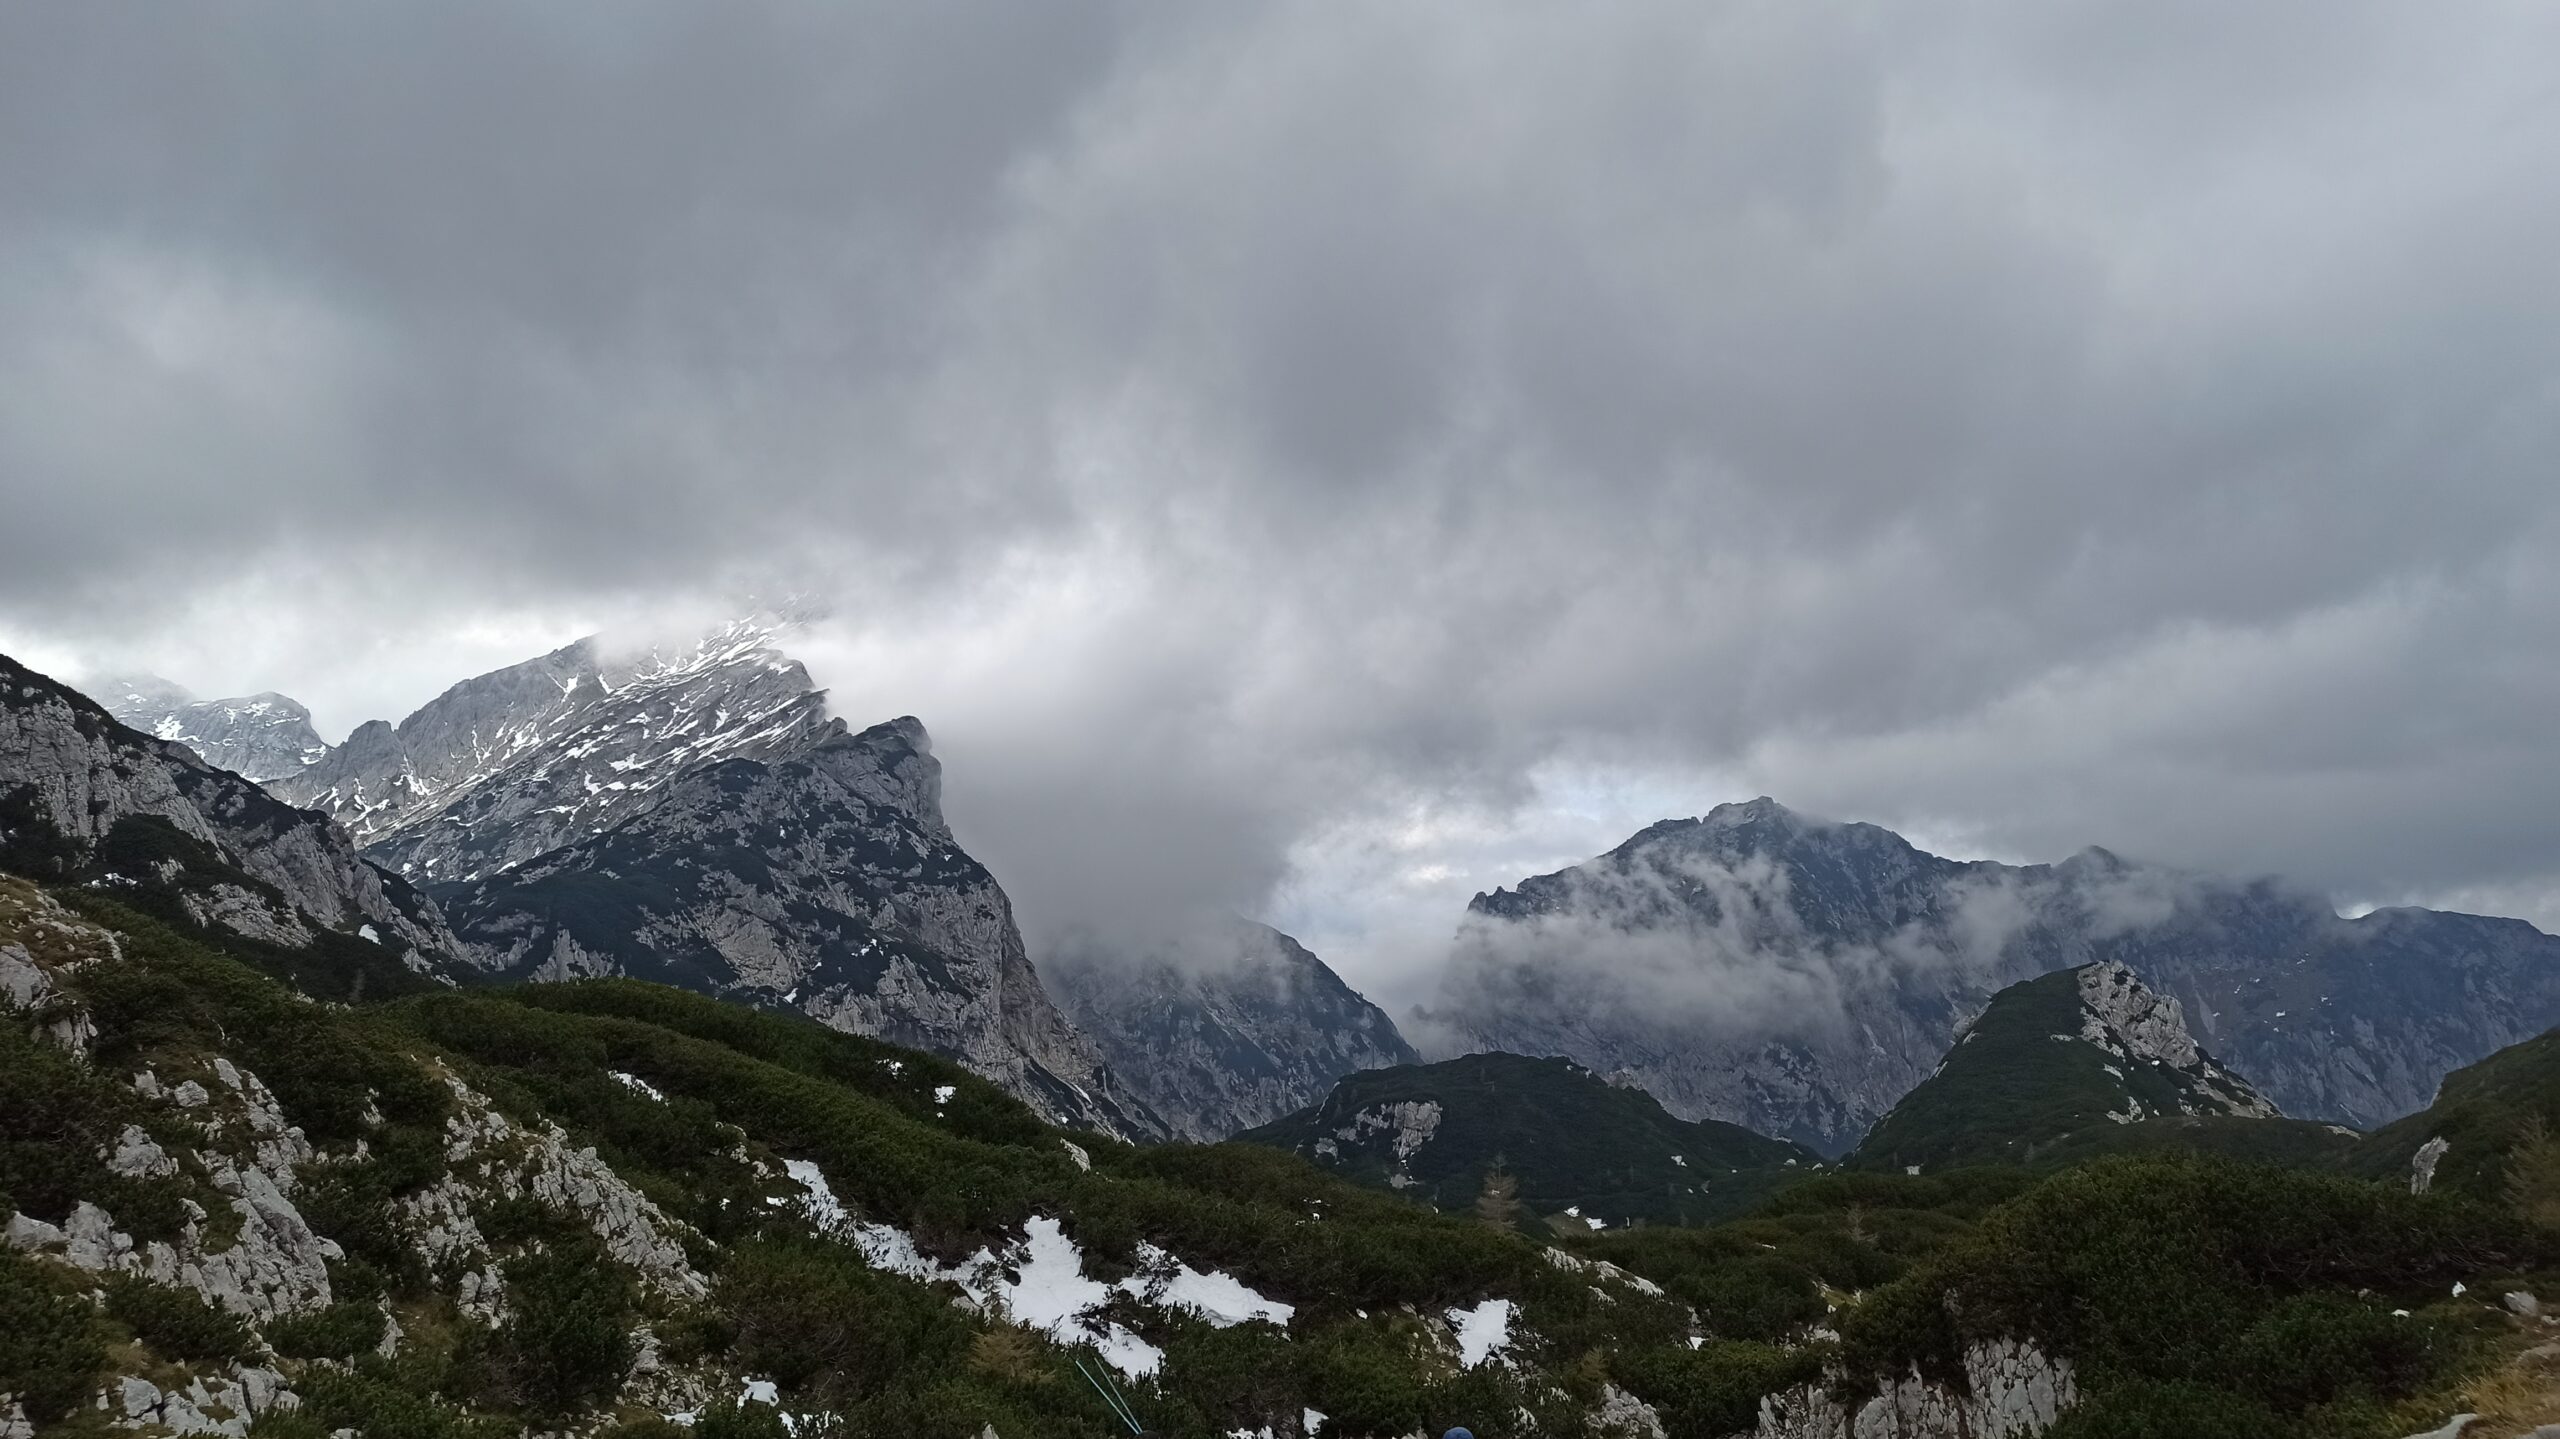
[(177, 1323), (2174, 1410), (52, 1357), (2314, 1348), (566, 1342), (344, 1329), (1716, 1388), (813, 1317), (377, 1407)]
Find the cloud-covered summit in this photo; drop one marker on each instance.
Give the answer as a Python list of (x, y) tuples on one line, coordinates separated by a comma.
[(1407, 447)]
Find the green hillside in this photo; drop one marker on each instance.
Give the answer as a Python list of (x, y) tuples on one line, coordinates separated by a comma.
[(1568, 1140), (2026, 1084), (665, 1249), (2496, 1120)]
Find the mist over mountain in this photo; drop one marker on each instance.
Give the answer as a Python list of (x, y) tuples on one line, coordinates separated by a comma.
[(1223, 1025), (1799, 976)]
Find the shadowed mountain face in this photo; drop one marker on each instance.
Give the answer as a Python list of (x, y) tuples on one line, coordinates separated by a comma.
[(826, 882), (86, 798), (1580, 1151), (1801, 976), (1232, 1025), (262, 737), (691, 814)]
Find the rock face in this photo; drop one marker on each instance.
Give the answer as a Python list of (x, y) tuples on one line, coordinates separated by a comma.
[(1800, 976), (1572, 1144), (825, 881), (517, 762), (82, 796), (1232, 1027), (2012, 1391), (261, 737), (2053, 1066)]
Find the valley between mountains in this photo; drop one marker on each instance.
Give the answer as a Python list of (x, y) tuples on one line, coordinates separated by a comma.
[(626, 1043)]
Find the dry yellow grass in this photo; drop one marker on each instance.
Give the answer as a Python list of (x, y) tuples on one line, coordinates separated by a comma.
[(2517, 1396)]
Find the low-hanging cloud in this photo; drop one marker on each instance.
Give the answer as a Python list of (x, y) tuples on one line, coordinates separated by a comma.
[(1238, 432)]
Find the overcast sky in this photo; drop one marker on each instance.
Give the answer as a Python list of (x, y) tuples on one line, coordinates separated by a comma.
[(1329, 459)]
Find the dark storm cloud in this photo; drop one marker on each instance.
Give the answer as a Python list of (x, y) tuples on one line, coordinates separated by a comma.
[(2040, 423)]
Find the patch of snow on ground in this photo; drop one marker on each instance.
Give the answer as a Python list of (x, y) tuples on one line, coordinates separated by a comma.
[(366, 931), (820, 1205), (1311, 1421), (1216, 1296), (942, 1093), (1483, 1331), (637, 1085)]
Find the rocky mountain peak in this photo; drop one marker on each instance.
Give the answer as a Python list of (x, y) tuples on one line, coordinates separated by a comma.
[(1801, 976), (87, 798), (890, 764), (262, 736), (507, 765)]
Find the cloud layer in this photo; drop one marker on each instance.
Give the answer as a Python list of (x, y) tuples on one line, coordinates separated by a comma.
[(1327, 460)]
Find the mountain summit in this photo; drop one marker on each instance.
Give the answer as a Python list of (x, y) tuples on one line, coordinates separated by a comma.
[(691, 814), (263, 737), (510, 764), (1799, 976)]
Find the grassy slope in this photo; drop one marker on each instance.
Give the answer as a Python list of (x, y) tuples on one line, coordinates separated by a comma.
[(1570, 1138), (959, 1174), (2199, 1293), (2484, 1113), (2011, 1092)]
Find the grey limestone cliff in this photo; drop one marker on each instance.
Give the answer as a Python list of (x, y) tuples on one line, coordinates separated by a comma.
[(1231, 1025), (83, 796), (823, 880), (262, 737)]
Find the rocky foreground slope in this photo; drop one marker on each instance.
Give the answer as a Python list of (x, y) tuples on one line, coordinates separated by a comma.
[(1799, 976), (576, 1208)]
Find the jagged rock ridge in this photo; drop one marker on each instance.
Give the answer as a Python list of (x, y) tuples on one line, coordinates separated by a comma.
[(261, 737), (1233, 1025), (690, 813), (83, 796), (513, 763), (1800, 976), (826, 881)]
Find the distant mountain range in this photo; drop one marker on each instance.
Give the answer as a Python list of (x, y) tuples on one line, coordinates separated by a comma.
[(1800, 976), (261, 737), (691, 812)]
